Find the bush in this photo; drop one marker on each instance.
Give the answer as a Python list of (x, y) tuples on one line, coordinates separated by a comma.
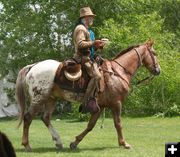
[(159, 95)]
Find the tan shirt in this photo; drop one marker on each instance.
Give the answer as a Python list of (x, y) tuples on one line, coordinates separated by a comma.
[(81, 38)]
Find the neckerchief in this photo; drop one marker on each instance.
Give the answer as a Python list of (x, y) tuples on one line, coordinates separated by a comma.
[(92, 38)]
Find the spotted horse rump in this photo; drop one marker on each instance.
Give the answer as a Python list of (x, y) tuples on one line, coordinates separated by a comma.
[(39, 79)]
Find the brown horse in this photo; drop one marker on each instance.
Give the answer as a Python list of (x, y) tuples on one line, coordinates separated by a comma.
[(36, 83)]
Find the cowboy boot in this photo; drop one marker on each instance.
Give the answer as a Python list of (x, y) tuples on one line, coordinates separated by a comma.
[(89, 103)]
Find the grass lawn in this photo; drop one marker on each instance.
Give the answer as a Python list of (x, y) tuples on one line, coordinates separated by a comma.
[(146, 135)]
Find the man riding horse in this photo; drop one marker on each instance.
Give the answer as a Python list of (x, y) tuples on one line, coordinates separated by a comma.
[(85, 46), (40, 85)]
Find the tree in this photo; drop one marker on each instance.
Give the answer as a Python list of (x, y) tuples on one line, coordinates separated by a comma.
[(36, 30)]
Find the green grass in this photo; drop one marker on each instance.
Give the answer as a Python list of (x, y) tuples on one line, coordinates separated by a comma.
[(146, 135)]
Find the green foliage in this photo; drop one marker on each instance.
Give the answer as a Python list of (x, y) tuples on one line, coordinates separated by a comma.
[(75, 113), (170, 112), (10, 94), (159, 95), (68, 110), (36, 30), (131, 30)]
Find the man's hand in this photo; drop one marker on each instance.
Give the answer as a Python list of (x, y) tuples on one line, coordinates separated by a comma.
[(99, 44)]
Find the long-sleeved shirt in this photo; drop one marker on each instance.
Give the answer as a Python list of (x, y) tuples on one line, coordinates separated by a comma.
[(82, 42)]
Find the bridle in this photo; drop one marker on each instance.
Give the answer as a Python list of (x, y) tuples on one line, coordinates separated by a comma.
[(152, 53), (155, 65), (139, 56)]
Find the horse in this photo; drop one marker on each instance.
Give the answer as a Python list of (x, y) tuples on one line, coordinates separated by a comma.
[(6, 147), (36, 87)]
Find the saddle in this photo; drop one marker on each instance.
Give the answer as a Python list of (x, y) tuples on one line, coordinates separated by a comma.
[(73, 77)]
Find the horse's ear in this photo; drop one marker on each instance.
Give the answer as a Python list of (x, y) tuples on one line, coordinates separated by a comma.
[(150, 42)]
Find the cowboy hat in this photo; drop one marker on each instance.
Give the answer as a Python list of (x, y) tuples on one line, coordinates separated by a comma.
[(86, 11)]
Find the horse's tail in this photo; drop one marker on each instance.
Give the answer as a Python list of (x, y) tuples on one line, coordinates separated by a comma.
[(20, 92)]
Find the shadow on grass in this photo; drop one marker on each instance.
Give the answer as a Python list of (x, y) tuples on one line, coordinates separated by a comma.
[(75, 121), (64, 150), (4, 119)]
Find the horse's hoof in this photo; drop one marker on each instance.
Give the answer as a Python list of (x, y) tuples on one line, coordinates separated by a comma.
[(59, 146), (28, 149), (125, 145), (73, 146)]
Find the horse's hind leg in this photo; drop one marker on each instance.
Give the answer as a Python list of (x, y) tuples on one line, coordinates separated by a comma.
[(90, 126), (26, 124), (117, 123), (48, 110)]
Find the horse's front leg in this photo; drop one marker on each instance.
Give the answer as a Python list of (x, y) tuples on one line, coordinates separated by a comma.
[(90, 126), (116, 110)]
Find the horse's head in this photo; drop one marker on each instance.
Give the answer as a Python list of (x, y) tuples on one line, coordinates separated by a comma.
[(150, 59)]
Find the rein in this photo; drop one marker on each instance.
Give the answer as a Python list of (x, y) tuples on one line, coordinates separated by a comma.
[(151, 77), (139, 64), (139, 82), (122, 67), (114, 73)]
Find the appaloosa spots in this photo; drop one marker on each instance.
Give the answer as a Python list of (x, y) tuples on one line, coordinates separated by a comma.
[(37, 91)]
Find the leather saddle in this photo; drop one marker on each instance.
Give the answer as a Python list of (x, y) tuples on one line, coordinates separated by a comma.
[(72, 76)]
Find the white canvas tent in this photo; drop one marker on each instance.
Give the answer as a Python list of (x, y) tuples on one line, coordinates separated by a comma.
[(6, 108)]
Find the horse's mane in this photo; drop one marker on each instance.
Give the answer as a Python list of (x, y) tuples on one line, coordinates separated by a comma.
[(126, 50)]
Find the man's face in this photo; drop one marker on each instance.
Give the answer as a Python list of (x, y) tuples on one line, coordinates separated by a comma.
[(89, 20)]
